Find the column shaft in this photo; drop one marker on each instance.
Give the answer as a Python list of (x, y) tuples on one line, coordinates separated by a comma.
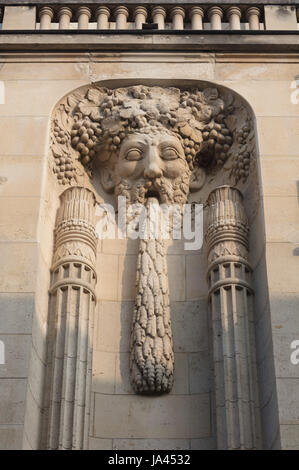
[(72, 302), (231, 302)]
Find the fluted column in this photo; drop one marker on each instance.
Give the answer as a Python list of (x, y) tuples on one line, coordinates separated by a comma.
[(253, 18), (234, 17), (102, 15), (177, 15), (121, 14), (215, 15), (72, 301), (46, 15), (196, 16), (158, 16), (64, 15), (140, 15), (231, 301), (84, 15)]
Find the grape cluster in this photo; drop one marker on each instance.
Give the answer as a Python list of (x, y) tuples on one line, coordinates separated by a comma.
[(85, 134), (191, 149), (64, 167), (241, 164), (217, 142), (192, 102)]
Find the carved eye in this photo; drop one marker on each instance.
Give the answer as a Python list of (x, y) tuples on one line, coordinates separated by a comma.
[(133, 155), (170, 153)]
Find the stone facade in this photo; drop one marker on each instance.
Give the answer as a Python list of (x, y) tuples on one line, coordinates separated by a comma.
[(45, 248)]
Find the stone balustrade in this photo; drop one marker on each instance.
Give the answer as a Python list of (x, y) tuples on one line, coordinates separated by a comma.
[(179, 17)]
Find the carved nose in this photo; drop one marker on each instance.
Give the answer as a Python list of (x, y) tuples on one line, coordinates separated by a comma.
[(153, 169)]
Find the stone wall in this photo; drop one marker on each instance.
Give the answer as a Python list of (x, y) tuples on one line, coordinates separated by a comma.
[(34, 83)]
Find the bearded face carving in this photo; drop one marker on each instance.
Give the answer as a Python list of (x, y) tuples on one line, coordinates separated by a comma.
[(152, 164)]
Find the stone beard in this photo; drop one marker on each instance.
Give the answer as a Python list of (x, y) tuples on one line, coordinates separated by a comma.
[(151, 168)]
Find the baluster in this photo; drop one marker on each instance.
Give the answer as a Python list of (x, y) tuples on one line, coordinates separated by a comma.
[(177, 14), (215, 15), (196, 16), (45, 17), (158, 16), (102, 15), (140, 15), (84, 15), (233, 15), (64, 16), (253, 18), (121, 14)]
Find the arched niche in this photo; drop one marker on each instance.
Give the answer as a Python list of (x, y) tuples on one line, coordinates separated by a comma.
[(226, 156)]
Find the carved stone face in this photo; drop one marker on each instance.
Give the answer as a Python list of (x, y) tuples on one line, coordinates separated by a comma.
[(152, 164)]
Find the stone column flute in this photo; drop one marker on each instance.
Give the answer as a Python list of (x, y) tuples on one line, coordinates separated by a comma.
[(231, 301), (72, 302)]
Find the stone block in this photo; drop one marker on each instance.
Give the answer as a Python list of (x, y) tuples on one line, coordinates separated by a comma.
[(114, 326), (20, 261), (176, 277), (196, 284), (11, 437), (284, 313), (170, 417), (19, 218), (19, 93), (16, 313), (107, 269), (17, 17), (151, 444), (12, 403), (288, 400), (127, 277), (289, 437), (99, 444), (25, 135), (122, 375), (189, 326), (208, 443), (17, 353), (280, 176), (200, 372), (281, 219), (280, 17), (286, 128), (103, 372), (282, 267), (19, 176)]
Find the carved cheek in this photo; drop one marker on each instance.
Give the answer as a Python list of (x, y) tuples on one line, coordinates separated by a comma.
[(175, 168), (127, 169)]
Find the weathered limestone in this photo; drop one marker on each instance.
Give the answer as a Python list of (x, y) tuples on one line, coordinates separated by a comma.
[(280, 17), (19, 17), (46, 15), (230, 293), (71, 313)]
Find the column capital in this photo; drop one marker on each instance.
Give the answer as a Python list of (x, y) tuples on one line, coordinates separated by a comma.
[(196, 11), (252, 11), (159, 11), (233, 11), (84, 11), (64, 11), (103, 11), (215, 11), (121, 10), (139, 10), (45, 11), (177, 11)]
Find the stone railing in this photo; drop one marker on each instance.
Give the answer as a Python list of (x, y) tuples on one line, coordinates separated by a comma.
[(179, 16)]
